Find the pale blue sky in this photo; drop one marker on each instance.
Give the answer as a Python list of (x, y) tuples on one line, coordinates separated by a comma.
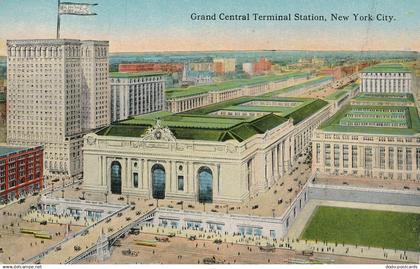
[(165, 25)]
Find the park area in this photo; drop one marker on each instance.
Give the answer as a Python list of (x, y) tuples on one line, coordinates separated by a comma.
[(372, 228)]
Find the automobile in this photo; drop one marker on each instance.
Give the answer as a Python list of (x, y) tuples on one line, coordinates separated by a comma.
[(192, 237), (162, 239), (55, 180), (133, 207), (85, 233), (307, 252), (127, 218), (211, 260), (267, 248), (44, 222), (119, 214), (279, 201), (77, 248), (58, 248), (170, 206), (345, 183), (35, 193), (129, 252), (190, 206), (218, 241), (255, 206), (134, 231), (132, 203), (171, 235), (214, 210), (1, 250), (290, 189), (108, 220), (120, 198), (418, 188), (406, 188), (21, 201)]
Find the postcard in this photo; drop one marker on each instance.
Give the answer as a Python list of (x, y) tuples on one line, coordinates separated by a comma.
[(190, 132)]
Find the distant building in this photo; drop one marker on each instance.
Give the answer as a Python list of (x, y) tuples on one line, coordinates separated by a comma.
[(21, 172), (262, 66), (201, 67), (248, 68), (136, 93), (145, 67), (223, 66), (386, 78), (198, 77), (57, 90)]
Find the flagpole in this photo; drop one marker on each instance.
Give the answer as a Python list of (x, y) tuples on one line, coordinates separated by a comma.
[(58, 19)]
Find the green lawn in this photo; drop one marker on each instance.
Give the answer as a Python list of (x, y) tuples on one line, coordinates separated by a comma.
[(392, 230)]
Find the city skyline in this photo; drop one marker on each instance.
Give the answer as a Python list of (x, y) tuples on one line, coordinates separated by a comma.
[(158, 26)]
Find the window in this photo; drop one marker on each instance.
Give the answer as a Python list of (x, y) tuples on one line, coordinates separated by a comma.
[(345, 156), (418, 158), (382, 158), (354, 156), (327, 155), (391, 158), (135, 180), (318, 151), (400, 160), (368, 158), (408, 159), (336, 155), (180, 183)]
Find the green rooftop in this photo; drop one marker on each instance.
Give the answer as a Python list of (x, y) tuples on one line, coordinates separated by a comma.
[(387, 68), (299, 86), (172, 93), (384, 97), (338, 122), (134, 75), (200, 124)]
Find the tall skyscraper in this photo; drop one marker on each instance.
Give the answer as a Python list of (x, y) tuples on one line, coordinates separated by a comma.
[(58, 90)]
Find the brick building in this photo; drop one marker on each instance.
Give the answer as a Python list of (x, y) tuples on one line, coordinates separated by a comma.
[(21, 172)]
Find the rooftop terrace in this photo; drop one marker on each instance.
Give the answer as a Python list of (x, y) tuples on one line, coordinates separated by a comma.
[(376, 120), (387, 68), (200, 124), (196, 90), (385, 97)]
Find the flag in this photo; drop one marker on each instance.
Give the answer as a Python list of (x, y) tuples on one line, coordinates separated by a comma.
[(68, 8)]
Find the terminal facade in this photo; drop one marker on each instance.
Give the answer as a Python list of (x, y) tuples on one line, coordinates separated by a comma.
[(200, 157)]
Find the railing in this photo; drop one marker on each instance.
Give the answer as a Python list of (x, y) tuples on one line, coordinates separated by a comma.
[(53, 247), (112, 238)]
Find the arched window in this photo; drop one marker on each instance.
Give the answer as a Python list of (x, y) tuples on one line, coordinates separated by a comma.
[(116, 177), (158, 181), (205, 185)]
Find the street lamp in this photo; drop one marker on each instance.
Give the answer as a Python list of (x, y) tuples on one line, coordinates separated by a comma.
[(62, 193)]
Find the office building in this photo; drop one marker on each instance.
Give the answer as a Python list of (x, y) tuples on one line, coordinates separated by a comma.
[(136, 93), (57, 91)]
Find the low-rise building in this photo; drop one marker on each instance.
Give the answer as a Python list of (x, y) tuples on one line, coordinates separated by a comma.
[(136, 93), (386, 78), (21, 172), (374, 136)]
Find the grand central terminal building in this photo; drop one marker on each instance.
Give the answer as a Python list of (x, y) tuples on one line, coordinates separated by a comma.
[(224, 152), (376, 136)]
